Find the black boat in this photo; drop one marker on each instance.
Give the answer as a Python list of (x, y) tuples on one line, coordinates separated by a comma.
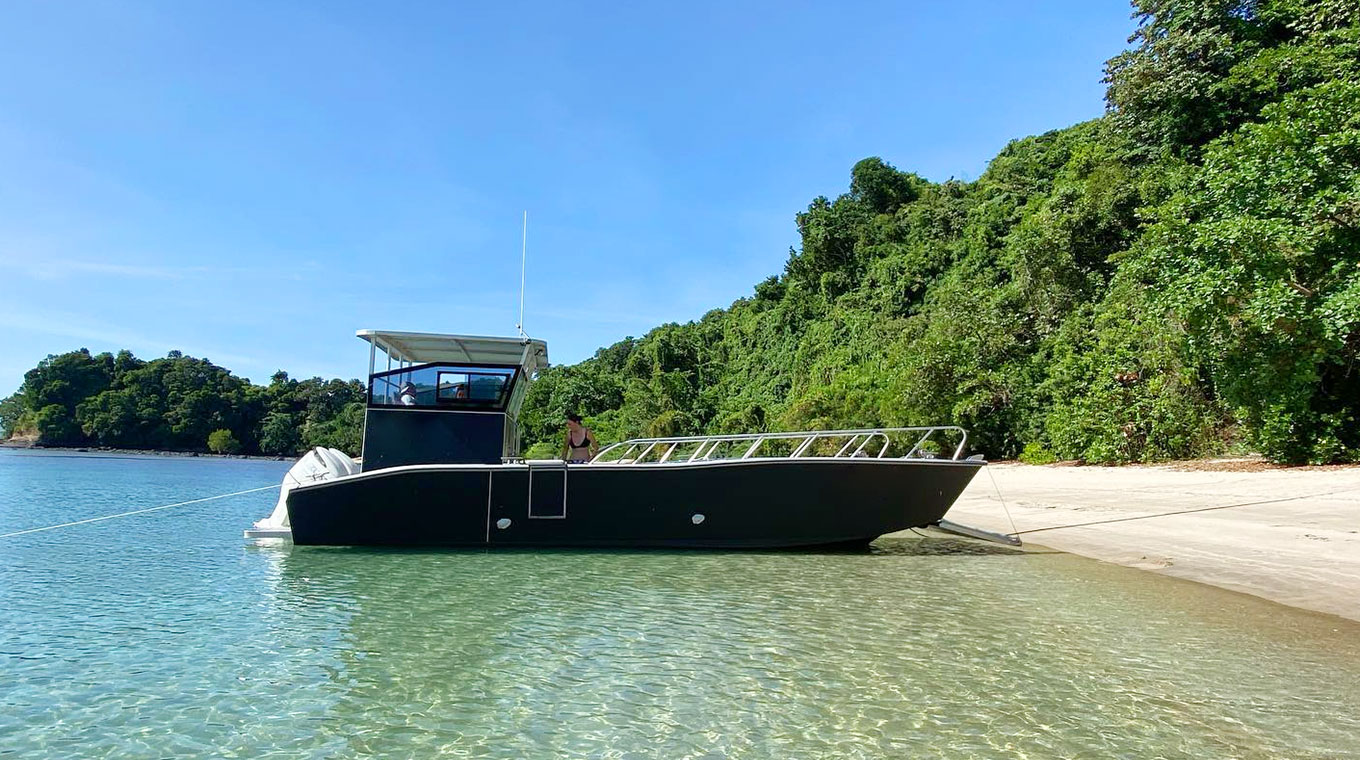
[(441, 467)]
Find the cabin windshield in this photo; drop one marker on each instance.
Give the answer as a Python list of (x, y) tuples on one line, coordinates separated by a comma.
[(443, 386)]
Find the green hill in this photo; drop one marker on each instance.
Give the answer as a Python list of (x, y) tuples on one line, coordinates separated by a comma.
[(1178, 277)]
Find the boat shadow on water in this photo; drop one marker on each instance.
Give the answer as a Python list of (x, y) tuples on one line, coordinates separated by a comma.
[(931, 546)]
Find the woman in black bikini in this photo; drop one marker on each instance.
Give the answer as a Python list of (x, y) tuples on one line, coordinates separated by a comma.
[(581, 444)]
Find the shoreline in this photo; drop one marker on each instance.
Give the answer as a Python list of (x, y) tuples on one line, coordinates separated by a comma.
[(1290, 535), (28, 446)]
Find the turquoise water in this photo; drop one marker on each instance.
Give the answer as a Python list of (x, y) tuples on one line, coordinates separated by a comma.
[(167, 635)]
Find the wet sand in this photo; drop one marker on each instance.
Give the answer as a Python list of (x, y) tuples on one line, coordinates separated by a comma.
[(1288, 535)]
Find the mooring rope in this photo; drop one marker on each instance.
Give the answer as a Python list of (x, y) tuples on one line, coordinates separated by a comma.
[(1015, 533), (134, 512), (1189, 511)]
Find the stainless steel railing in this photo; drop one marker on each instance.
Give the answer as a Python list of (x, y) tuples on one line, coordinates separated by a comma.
[(929, 443)]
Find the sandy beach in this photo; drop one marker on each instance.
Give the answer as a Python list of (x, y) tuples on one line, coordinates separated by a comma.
[(1291, 535)]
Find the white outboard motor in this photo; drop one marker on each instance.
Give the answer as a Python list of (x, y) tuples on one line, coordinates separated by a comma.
[(316, 465)]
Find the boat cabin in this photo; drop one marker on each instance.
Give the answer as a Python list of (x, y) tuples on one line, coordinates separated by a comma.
[(445, 399)]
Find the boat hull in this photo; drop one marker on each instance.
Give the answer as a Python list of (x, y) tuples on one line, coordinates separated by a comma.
[(733, 504)]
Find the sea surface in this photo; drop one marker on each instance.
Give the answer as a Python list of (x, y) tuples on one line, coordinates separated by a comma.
[(165, 634)]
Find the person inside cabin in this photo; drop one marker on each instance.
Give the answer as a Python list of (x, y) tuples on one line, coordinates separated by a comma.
[(407, 395), (581, 445)]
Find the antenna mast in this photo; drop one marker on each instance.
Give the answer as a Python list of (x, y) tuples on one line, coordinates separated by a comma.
[(523, 257)]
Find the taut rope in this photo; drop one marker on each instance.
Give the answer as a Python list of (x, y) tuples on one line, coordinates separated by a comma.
[(133, 512)]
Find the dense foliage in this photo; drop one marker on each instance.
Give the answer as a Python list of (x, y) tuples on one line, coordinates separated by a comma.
[(1179, 277), (179, 403)]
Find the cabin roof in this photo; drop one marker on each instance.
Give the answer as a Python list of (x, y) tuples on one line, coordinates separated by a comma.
[(432, 348)]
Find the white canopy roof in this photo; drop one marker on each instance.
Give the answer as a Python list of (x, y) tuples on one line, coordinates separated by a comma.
[(429, 348)]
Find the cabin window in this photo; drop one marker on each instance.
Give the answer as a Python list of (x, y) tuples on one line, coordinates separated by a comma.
[(443, 386), (487, 386), (452, 385)]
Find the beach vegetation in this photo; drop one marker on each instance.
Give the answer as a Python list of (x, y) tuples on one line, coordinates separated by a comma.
[(543, 450), (223, 442), (1036, 453)]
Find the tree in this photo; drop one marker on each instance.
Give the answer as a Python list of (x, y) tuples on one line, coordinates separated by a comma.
[(1201, 68), (223, 442), (112, 419), (880, 187), (343, 432), (1258, 261), (1167, 91), (11, 411), (55, 426), (280, 434), (64, 380)]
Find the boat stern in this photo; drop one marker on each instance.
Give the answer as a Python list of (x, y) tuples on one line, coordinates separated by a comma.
[(317, 465)]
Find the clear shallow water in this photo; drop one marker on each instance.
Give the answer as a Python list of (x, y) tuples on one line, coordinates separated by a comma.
[(167, 635)]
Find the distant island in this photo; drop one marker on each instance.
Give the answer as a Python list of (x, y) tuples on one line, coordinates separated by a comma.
[(1178, 278), (179, 403)]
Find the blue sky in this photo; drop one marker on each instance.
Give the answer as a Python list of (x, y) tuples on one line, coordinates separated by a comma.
[(254, 181)]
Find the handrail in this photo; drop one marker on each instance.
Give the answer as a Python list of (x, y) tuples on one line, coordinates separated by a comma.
[(707, 445)]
